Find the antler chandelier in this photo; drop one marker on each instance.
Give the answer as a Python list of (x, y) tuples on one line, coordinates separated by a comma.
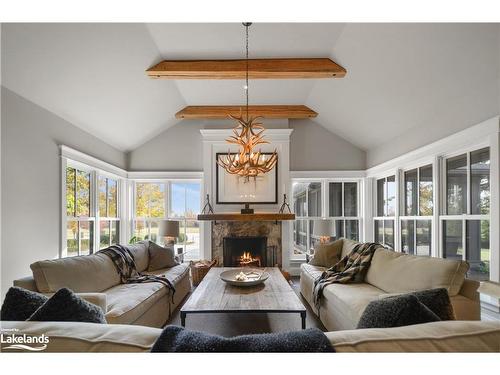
[(247, 135)]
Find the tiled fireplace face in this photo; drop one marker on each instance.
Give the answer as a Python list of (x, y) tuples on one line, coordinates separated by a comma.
[(245, 229)]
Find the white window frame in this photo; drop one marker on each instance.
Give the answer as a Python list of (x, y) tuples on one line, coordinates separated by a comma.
[(402, 204), (167, 209), (118, 218), (325, 203), (463, 218), (75, 159), (485, 134), (397, 178)]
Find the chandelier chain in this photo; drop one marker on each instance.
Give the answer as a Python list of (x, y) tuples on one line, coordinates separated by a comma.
[(246, 77), (248, 135)]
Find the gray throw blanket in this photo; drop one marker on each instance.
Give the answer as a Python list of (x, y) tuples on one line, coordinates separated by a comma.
[(124, 262), (180, 340), (350, 269)]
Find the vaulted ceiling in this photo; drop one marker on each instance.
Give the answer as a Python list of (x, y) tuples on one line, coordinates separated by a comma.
[(399, 76)]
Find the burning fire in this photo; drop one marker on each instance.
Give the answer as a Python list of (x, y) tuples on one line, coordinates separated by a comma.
[(248, 260)]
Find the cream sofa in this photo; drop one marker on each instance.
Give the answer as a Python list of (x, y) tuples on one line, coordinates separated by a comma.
[(95, 278), (451, 336), (390, 273)]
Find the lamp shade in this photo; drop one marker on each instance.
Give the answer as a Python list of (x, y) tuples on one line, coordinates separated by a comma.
[(168, 228), (323, 228)]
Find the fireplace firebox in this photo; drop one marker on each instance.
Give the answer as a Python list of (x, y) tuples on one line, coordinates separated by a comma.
[(246, 252)]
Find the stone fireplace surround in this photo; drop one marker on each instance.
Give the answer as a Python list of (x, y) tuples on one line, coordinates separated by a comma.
[(269, 229)]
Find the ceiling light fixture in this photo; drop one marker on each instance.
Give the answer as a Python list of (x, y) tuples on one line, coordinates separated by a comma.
[(247, 135)]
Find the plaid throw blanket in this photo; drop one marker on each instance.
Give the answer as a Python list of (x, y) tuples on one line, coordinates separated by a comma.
[(350, 269), (124, 262)]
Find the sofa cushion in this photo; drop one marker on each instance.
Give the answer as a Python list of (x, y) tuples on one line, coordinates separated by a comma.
[(327, 255), (312, 271), (20, 304), (449, 336), (88, 273), (89, 337), (174, 274), (66, 306), (161, 257), (140, 251), (127, 302), (347, 246), (396, 311), (399, 273), (348, 301)]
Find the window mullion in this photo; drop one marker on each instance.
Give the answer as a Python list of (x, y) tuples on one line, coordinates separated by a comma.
[(94, 191), (107, 198), (469, 190), (464, 239), (343, 203), (418, 192)]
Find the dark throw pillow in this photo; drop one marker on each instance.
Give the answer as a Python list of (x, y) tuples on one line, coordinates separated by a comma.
[(161, 257), (438, 301), (66, 306), (396, 311), (19, 304), (177, 339)]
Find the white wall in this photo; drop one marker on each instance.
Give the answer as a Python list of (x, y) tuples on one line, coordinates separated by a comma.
[(312, 147), (31, 197)]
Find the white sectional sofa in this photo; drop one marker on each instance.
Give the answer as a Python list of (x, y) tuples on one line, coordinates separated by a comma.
[(450, 336), (390, 273), (95, 278)]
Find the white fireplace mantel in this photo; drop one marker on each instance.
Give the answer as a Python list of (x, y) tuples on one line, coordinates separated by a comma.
[(214, 141)]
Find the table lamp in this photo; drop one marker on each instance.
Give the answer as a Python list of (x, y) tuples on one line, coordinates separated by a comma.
[(169, 231), (323, 229)]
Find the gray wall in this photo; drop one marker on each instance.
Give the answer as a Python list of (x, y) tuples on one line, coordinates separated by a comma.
[(178, 148), (312, 147), (31, 197), (466, 108)]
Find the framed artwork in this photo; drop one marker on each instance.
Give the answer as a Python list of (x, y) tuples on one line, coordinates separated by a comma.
[(233, 189)]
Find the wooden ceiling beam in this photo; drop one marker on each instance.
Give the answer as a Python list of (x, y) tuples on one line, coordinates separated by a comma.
[(216, 112), (258, 69)]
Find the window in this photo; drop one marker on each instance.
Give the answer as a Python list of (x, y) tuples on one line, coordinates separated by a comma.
[(417, 211), (386, 211), (79, 222), (465, 224), (174, 200), (323, 199), (343, 209), (456, 185), (109, 222), (306, 205), (92, 218)]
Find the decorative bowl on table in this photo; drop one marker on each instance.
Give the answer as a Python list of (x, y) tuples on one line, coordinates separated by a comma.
[(244, 276)]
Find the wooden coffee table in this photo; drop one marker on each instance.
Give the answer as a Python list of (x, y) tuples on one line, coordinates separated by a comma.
[(213, 295)]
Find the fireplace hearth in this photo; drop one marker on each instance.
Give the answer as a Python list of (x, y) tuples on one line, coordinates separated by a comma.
[(247, 251)]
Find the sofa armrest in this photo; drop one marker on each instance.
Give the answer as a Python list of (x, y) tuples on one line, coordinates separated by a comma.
[(27, 282), (469, 289), (98, 299)]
